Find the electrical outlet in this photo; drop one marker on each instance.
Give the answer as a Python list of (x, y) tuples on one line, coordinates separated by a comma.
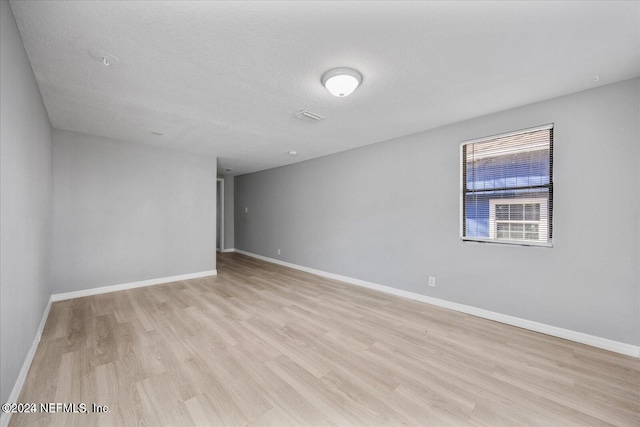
[(432, 281), (278, 251), (246, 210)]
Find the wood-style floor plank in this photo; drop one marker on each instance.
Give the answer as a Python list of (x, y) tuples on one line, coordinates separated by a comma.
[(264, 345)]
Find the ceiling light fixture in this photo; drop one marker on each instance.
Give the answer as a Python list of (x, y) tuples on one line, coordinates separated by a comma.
[(341, 82), (293, 153)]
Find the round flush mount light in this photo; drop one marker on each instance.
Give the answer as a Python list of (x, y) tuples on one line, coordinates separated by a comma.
[(293, 153), (341, 82)]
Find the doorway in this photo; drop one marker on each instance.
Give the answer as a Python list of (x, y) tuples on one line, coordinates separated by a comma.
[(220, 214)]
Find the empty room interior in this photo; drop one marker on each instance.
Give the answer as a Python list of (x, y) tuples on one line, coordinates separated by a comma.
[(309, 213)]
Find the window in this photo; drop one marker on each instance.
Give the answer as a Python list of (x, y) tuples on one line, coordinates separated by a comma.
[(507, 188)]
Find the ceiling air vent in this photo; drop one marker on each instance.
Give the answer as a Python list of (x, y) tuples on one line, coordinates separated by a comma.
[(308, 116)]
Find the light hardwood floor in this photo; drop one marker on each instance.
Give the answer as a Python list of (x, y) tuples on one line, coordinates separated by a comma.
[(261, 344)]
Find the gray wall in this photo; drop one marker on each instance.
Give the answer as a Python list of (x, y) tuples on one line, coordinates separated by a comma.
[(25, 204), (389, 213), (124, 212)]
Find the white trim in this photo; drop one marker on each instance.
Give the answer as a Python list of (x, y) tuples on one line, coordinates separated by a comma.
[(594, 341), (507, 134), (527, 243), (132, 285), (229, 250), (22, 376)]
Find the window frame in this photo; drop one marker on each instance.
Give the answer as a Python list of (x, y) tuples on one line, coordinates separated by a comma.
[(549, 201)]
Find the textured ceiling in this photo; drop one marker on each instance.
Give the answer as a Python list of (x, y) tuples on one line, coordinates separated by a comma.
[(226, 78)]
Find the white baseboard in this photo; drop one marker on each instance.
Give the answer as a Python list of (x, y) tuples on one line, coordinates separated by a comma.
[(594, 341), (122, 287), (228, 250), (22, 376)]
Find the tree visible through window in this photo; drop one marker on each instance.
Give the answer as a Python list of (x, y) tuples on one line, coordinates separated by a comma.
[(507, 188)]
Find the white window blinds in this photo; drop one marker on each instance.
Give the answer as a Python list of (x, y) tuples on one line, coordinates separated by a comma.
[(507, 188)]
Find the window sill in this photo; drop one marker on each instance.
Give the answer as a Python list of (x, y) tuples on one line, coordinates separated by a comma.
[(506, 242)]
